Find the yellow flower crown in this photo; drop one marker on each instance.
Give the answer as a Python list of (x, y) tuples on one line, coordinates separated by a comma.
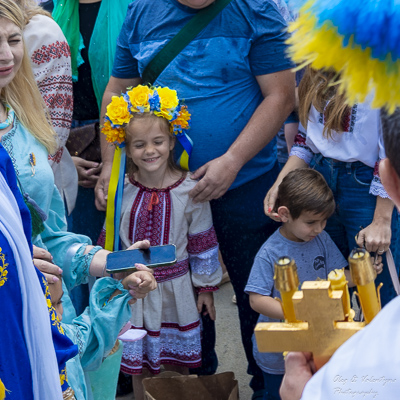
[(161, 101)]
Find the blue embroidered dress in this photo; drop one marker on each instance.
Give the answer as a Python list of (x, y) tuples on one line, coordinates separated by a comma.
[(38, 182), (15, 371)]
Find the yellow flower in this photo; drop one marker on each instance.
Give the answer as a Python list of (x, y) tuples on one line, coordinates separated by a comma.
[(117, 111), (139, 98), (113, 134), (183, 118), (168, 102)]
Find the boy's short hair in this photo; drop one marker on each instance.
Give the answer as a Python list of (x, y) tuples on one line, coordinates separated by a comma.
[(305, 189)]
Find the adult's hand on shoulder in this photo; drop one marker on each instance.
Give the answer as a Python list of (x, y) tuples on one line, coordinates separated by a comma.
[(101, 189), (43, 261), (215, 178), (299, 368), (269, 202)]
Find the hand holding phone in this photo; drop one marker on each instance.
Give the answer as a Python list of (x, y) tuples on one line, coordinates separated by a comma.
[(153, 257)]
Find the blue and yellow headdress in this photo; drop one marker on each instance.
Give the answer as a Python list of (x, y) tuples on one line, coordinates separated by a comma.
[(360, 39), (160, 101)]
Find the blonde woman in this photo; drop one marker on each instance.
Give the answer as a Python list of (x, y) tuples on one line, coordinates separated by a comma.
[(345, 144), (28, 137)]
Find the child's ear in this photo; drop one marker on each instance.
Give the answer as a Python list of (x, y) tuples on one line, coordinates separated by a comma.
[(128, 150), (172, 143), (284, 213)]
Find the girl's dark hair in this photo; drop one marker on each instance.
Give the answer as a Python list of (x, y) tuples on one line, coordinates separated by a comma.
[(131, 167), (305, 189)]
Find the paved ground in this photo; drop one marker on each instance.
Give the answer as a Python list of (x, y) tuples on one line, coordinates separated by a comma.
[(229, 346)]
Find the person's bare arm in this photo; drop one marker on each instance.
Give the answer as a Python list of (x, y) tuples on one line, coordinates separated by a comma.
[(115, 87), (218, 174), (266, 305)]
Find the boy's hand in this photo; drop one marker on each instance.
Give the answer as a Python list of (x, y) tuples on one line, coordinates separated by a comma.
[(206, 299), (139, 283)]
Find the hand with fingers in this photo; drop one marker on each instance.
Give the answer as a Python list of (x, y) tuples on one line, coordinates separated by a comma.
[(88, 172), (43, 261), (215, 179), (205, 304), (375, 237), (299, 368), (270, 201), (139, 283), (101, 189)]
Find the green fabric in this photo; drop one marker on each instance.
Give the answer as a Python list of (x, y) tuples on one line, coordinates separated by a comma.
[(66, 14), (182, 39), (104, 42)]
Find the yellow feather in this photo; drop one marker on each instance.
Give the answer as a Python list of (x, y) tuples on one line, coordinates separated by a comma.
[(322, 47)]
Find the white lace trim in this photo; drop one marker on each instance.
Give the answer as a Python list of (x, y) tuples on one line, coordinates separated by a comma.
[(205, 263), (377, 188), (302, 153), (171, 346)]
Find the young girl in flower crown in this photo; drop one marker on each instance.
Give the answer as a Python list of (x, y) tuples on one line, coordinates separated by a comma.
[(156, 206)]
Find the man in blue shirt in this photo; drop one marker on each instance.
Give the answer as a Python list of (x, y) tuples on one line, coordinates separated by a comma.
[(236, 81)]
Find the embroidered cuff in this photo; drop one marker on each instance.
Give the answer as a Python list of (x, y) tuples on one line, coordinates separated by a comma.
[(205, 263), (377, 188), (303, 153)]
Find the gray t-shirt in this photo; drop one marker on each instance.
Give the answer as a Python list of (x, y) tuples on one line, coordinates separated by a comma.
[(314, 259)]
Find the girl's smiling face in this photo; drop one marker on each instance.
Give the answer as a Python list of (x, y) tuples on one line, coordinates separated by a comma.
[(149, 143)]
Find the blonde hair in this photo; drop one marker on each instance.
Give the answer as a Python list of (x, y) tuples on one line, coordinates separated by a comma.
[(318, 88), (30, 9), (22, 93)]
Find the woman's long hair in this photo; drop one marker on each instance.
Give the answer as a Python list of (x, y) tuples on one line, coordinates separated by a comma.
[(318, 88), (22, 93)]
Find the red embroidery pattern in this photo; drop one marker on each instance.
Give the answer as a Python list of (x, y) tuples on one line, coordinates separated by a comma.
[(202, 241), (376, 169), (300, 139), (101, 241), (152, 223), (164, 274), (346, 119), (173, 354), (170, 325), (56, 157), (59, 100), (52, 51)]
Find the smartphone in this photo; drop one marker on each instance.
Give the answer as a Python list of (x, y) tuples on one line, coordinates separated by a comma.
[(155, 256)]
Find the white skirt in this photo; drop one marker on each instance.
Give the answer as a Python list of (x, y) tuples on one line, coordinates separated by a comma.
[(169, 315)]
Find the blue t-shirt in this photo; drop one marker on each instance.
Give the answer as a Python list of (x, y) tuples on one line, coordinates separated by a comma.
[(215, 73), (314, 259)]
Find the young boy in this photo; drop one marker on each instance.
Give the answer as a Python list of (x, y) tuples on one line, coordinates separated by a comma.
[(304, 204), (95, 331)]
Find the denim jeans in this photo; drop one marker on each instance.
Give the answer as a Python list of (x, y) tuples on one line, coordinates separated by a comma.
[(355, 207), (272, 384)]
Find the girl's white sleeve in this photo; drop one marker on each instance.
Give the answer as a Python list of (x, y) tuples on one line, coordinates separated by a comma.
[(203, 247)]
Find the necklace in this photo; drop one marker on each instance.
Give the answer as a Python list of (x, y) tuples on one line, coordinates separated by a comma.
[(10, 117)]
